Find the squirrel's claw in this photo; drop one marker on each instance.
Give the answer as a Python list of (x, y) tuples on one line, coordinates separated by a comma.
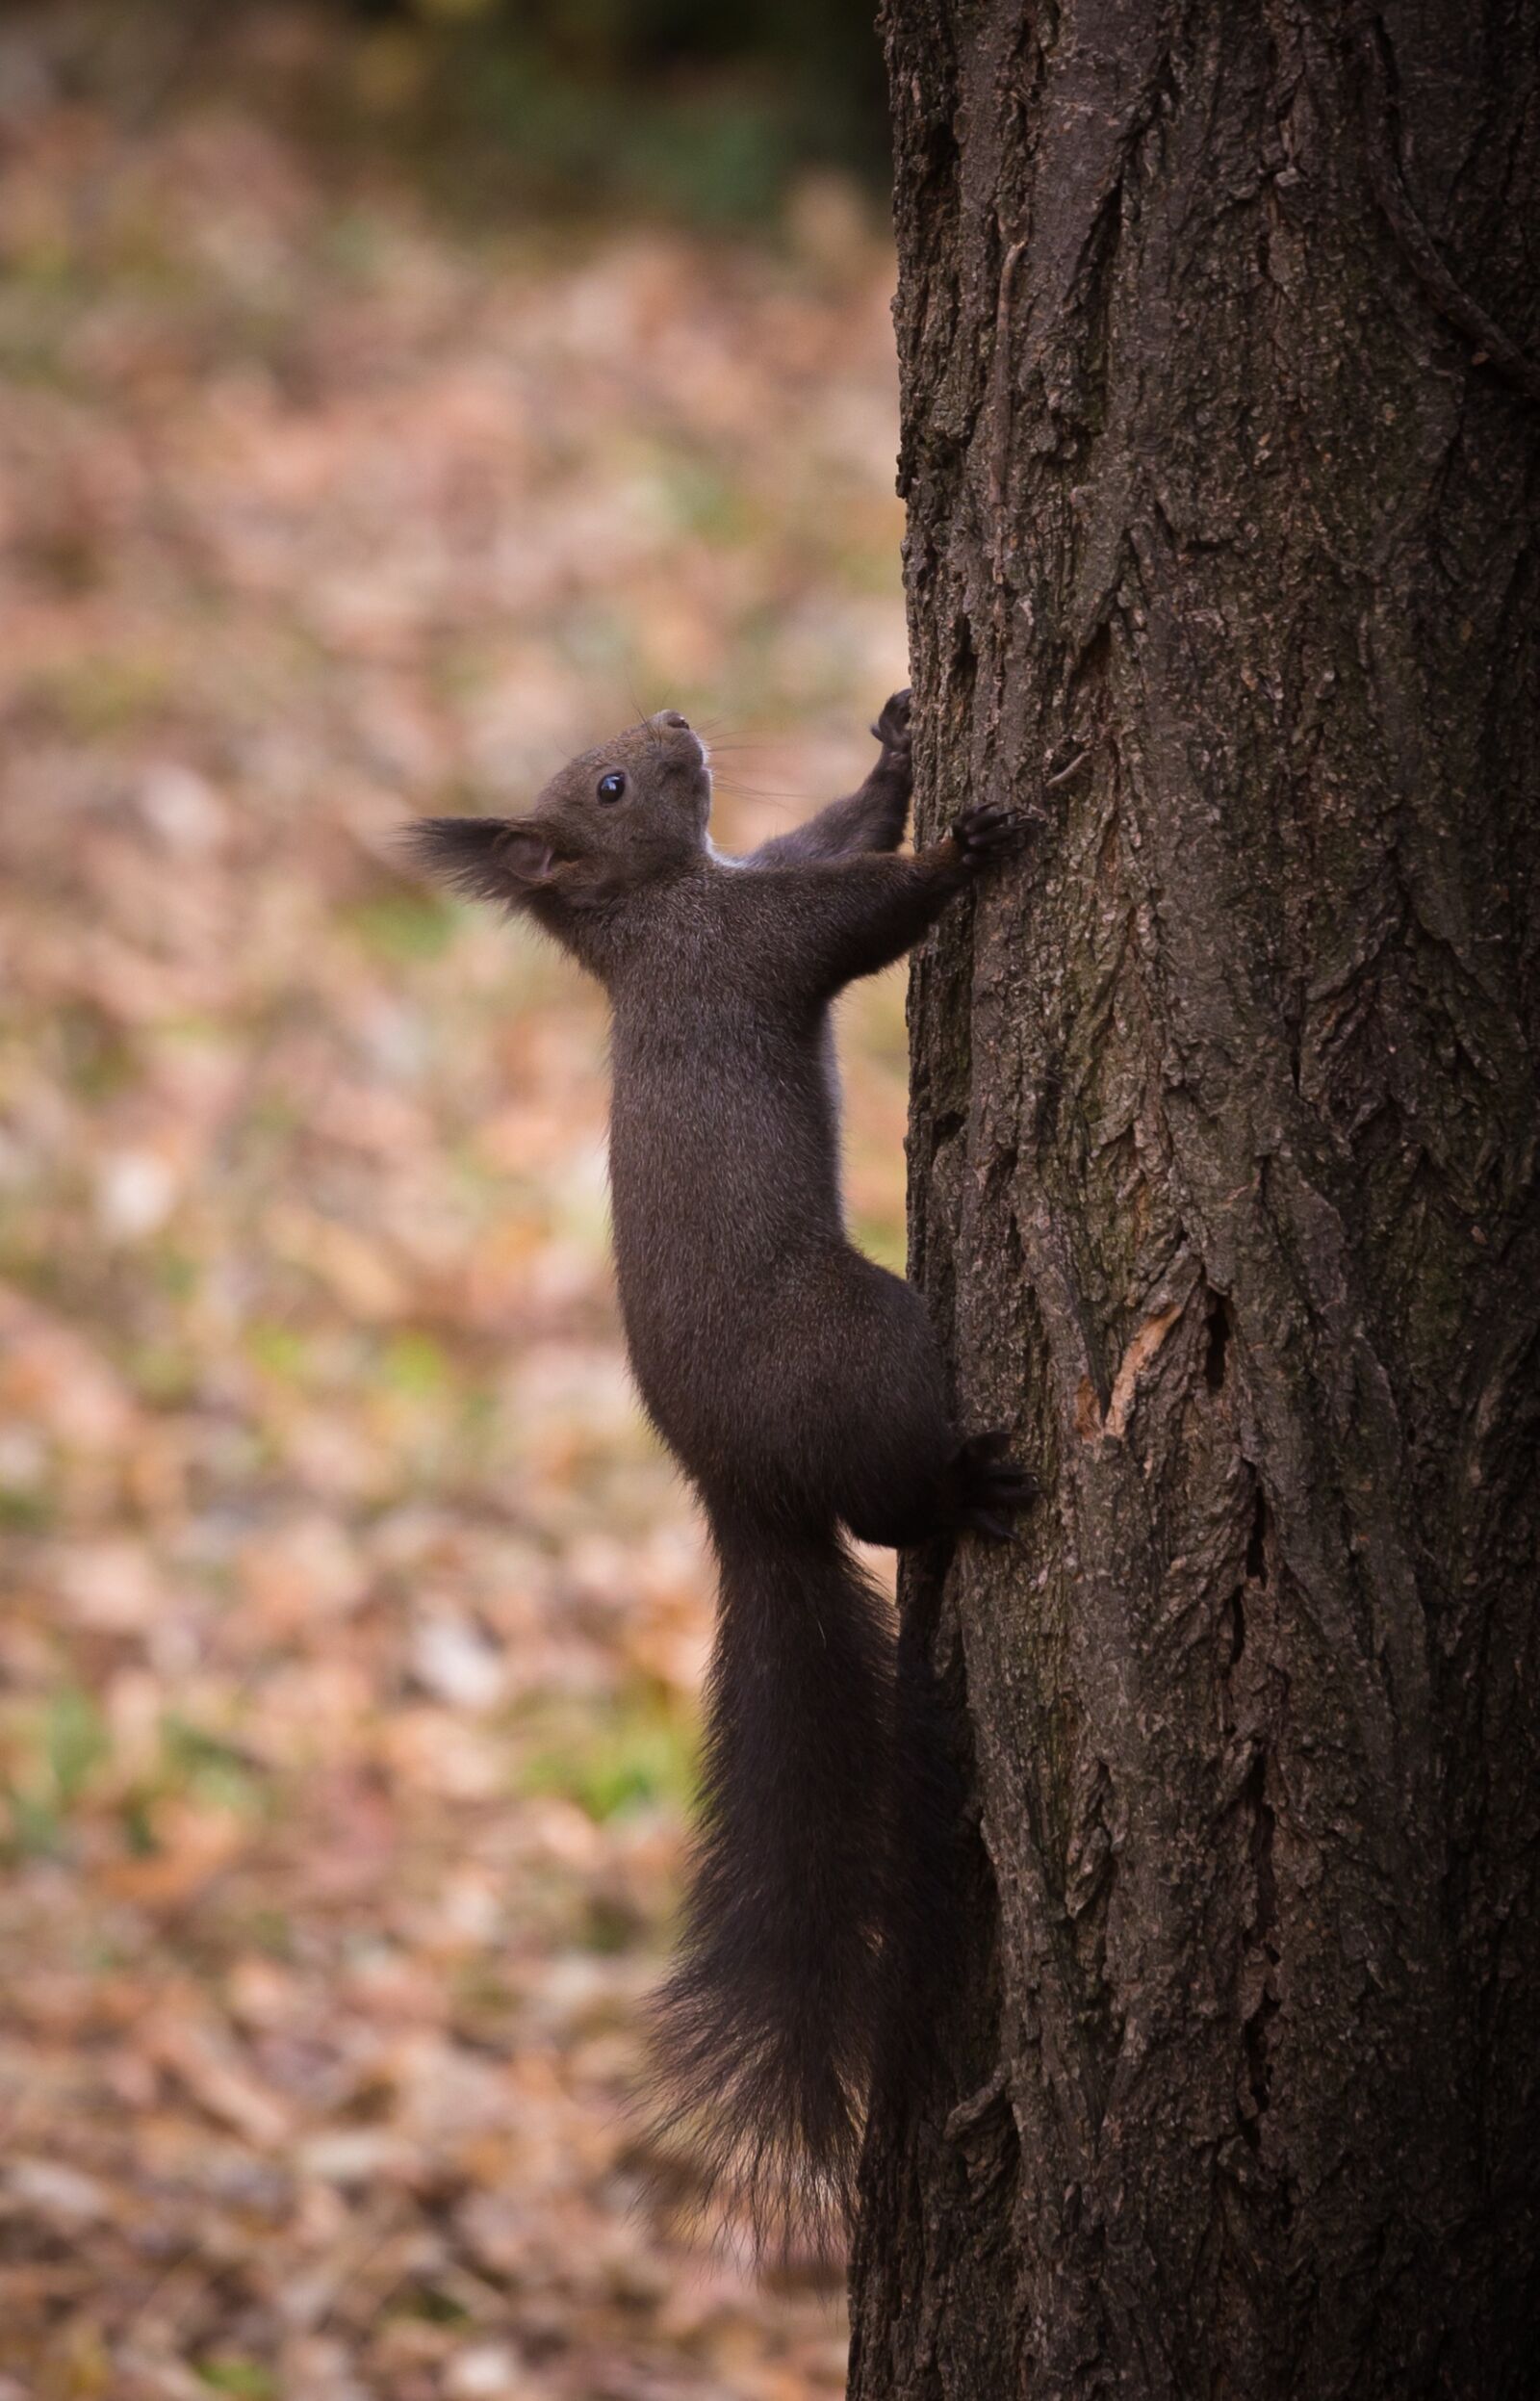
[(987, 834), (995, 1529)]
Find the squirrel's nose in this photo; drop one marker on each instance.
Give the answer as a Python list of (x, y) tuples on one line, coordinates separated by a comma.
[(671, 716)]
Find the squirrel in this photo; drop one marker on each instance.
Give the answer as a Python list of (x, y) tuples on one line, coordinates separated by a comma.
[(799, 1384)]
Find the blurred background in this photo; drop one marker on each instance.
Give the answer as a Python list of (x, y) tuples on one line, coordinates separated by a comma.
[(395, 399)]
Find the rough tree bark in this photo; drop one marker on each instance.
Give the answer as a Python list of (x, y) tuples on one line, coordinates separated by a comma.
[(1221, 434)]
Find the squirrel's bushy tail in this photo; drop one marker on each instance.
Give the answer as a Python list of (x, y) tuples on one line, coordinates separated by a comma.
[(765, 2031)]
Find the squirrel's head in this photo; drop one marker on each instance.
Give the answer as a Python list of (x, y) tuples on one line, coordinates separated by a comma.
[(631, 812)]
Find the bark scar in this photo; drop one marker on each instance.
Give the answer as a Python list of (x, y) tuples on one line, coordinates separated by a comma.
[(971, 2112), (1001, 406), (1090, 1422)]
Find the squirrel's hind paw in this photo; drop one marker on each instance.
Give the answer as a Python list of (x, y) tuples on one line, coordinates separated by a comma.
[(990, 1486)]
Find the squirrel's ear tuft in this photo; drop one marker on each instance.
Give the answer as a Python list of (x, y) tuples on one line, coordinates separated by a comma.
[(485, 858)]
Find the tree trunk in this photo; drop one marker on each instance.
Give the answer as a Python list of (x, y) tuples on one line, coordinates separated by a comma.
[(1220, 443)]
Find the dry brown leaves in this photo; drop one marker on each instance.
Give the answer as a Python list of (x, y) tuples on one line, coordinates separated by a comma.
[(352, 1622)]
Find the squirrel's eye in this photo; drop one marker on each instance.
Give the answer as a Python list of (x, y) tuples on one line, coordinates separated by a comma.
[(611, 787)]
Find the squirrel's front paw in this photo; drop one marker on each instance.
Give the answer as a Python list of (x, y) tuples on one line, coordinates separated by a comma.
[(892, 728), (986, 835)]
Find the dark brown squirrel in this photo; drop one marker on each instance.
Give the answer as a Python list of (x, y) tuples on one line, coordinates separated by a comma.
[(798, 1383)]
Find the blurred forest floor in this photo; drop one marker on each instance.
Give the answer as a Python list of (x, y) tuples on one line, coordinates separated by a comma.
[(352, 1620)]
